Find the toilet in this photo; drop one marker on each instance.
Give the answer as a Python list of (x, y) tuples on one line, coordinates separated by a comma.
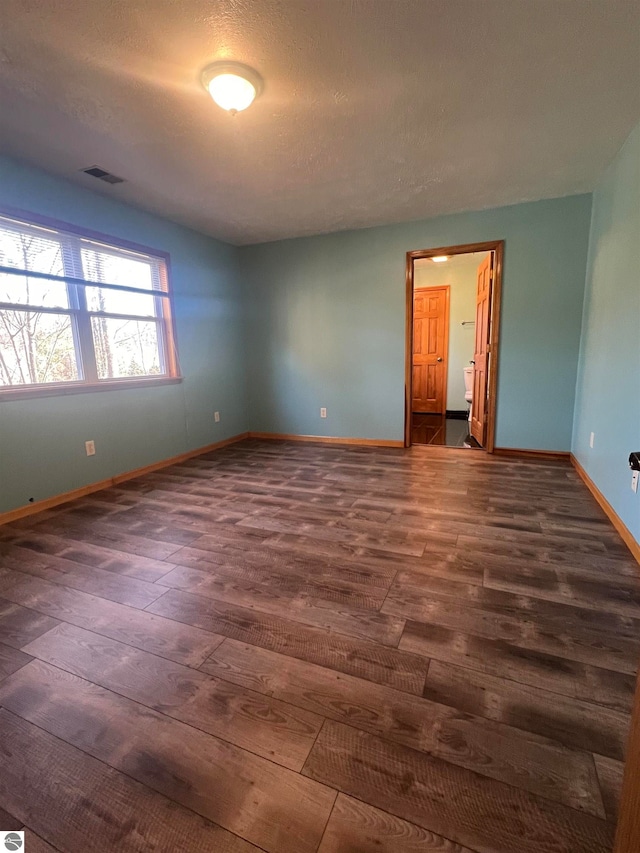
[(468, 387)]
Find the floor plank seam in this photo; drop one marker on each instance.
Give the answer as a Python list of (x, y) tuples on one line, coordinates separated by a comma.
[(123, 773), (518, 632), (181, 722), (332, 632), (476, 773), (434, 657), (326, 826)]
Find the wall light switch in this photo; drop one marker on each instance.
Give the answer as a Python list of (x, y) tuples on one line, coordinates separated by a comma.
[(90, 447), (216, 417), (323, 413), (634, 481), (591, 439)]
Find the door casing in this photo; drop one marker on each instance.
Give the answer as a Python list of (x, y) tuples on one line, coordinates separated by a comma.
[(628, 831), (482, 350), (497, 247)]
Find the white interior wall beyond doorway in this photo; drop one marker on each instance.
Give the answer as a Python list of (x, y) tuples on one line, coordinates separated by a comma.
[(459, 273)]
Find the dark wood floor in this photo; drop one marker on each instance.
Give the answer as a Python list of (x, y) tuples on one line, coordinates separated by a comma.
[(297, 648), (440, 431)]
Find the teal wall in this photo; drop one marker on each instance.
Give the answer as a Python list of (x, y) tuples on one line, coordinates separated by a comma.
[(42, 439), (608, 388), (325, 323), (270, 333)]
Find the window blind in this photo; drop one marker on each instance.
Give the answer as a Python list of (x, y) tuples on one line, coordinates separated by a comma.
[(74, 309)]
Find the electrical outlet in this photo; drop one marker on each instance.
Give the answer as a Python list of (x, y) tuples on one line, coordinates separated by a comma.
[(90, 447), (591, 439), (634, 481), (216, 417), (323, 413)]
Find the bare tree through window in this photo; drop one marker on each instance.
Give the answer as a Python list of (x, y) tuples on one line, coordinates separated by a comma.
[(35, 347), (73, 310)]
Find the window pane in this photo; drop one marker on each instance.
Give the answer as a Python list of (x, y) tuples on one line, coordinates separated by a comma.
[(113, 302), (119, 269), (126, 348), (33, 291), (36, 348), (28, 249), (40, 344)]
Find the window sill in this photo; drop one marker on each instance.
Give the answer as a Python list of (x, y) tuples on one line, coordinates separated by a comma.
[(86, 388)]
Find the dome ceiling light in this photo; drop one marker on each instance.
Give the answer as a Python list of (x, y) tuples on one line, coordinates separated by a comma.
[(232, 86)]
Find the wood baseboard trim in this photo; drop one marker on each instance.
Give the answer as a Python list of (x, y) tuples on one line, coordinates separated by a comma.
[(328, 439), (625, 534), (82, 491), (543, 455)]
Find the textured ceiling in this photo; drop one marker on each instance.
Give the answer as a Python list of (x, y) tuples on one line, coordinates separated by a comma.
[(374, 111)]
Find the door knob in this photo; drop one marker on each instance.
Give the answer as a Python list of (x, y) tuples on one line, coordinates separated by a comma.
[(439, 358)]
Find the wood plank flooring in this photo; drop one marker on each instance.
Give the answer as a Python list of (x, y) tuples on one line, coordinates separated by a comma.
[(300, 648)]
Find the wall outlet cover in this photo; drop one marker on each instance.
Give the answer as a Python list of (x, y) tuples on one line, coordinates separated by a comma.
[(323, 413), (592, 439), (90, 447), (216, 417)]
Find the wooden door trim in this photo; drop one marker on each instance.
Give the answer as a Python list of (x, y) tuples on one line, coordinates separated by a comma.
[(481, 350), (447, 309), (628, 829), (497, 247)]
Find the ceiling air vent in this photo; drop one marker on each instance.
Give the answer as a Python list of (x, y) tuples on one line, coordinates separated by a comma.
[(107, 177)]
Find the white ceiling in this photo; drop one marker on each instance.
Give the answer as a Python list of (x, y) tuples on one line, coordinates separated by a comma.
[(467, 260), (374, 111)]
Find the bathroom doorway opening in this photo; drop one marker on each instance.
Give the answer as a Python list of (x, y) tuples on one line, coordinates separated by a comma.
[(451, 360)]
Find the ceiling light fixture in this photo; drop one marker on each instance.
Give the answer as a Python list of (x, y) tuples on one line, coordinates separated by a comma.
[(232, 86), (440, 259)]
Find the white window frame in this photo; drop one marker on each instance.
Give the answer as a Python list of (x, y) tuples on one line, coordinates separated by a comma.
[(74, 240)]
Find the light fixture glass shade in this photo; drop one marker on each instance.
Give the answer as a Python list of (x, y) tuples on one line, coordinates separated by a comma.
[(231, 92), (231, 85), (440, 259)]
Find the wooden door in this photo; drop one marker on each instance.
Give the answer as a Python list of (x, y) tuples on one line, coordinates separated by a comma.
[(482, 351), (628, 833), (430, 343)]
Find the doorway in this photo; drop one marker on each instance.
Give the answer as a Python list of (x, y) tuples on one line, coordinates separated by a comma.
[(452, 323)]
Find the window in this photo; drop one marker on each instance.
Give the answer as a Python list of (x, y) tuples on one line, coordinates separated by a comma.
[(76, 311)]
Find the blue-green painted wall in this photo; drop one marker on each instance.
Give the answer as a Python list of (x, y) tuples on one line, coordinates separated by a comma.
[(42, 439), (325, 323), (608, 389), (268, 334)]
